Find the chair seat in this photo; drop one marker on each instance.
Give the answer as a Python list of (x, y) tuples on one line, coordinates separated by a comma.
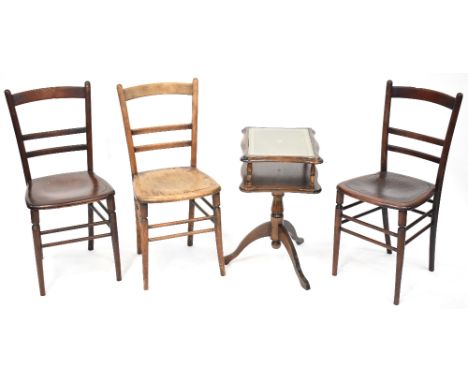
[(173, 184), (67, 189), (389, 190)]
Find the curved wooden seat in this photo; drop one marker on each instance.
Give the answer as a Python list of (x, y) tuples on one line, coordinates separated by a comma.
[(388, 189), (173, 184), (69, 189)]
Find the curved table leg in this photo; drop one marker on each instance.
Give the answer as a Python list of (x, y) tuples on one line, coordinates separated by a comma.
[(263, 230), (292, 231), (289, 245)]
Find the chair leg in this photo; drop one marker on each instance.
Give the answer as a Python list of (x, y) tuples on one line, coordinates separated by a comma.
[(191, 214), (218, 232), (400, 254), (432, 240), (143, 208), (337, 234), (138, 229), (90, 227), (115, 236), (36, 231), (386, 226)]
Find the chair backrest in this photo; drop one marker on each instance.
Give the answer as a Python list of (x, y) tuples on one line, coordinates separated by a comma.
[(156, 89), (452, 103), (15, 100)]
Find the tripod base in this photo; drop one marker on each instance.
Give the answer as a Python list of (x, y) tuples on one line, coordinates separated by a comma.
[(281, 232)]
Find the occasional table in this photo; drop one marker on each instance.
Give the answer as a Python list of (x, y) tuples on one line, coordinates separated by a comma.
[(278, 160)]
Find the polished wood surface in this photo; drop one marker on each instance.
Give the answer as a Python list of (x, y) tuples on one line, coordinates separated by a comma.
[(396, 191), (170, 184), (49, 93), (69, 189), (66, 189), (389, 189)]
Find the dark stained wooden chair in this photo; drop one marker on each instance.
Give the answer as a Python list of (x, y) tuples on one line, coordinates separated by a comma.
[(170, 184), (66, 189), (399, 192)]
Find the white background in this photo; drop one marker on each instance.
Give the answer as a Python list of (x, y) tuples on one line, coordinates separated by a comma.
[(259, 63)]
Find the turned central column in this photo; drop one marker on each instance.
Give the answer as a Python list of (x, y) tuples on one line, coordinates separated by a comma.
[(276, 218)]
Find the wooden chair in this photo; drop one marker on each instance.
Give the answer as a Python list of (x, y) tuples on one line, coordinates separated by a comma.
[(170, 184), (66, 189), (391, 190)]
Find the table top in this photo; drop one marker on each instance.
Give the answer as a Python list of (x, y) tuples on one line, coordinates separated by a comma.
[(279, 159), (279, 144)]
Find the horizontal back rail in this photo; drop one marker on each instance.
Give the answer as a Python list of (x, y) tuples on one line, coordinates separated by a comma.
[(55, 150), (415, 153), (160, 146), (48, 93), (160, 129), (417, 136), (424, 95), (157, 89), (54, 133)]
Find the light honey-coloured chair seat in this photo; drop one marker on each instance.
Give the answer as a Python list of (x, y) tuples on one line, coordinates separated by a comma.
[(173, 184)]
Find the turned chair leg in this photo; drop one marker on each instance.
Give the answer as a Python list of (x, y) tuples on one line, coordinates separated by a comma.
[(400, 254), (138, 229), (143, 208), (191, 215), (432, 239), (115, 236), (337, 234), (36, 231), (218, 232), (386, 227), (90, 227)]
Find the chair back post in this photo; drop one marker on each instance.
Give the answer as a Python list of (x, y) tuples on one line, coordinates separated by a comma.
[(193, 159), (448, 143), (89, 127), (18, 135), (386, 121), (128, 130)]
